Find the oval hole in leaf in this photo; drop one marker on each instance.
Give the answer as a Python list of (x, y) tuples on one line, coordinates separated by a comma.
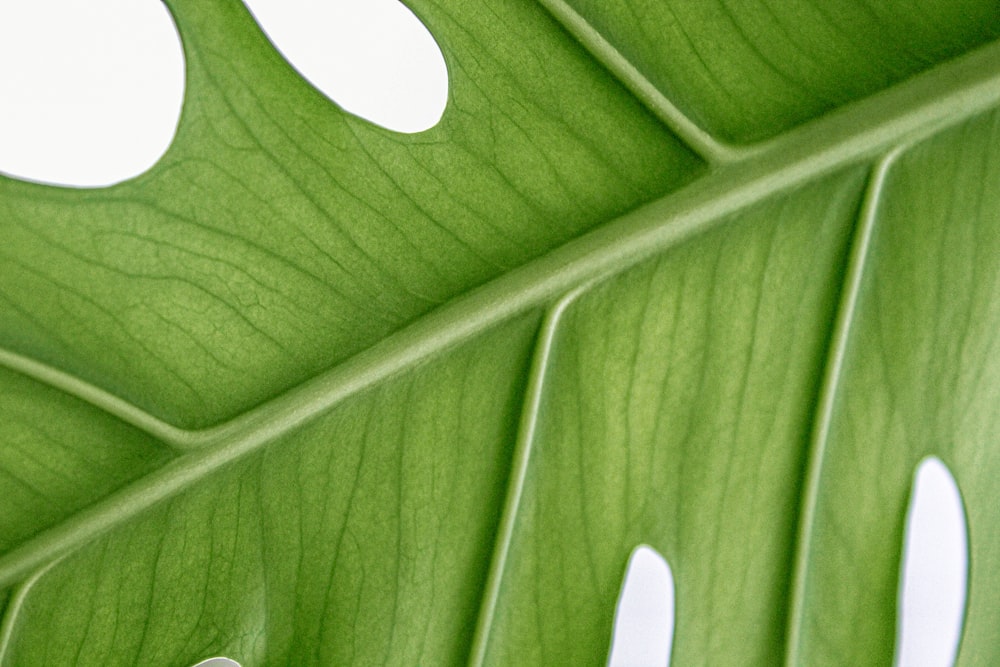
[(935, 565), (90, 92), (217, 662), (374, 58), (644, 617)]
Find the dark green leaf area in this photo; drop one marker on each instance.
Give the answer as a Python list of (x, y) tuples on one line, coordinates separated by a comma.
[(746, 71), (58, 455)]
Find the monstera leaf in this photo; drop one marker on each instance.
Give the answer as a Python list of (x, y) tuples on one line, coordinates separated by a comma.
[(711, 276)]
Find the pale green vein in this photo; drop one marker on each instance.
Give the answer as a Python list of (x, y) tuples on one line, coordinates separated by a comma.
[(114, 405), (827, 398), (856, 133), (709, 148), (13, 611), (518, 474)]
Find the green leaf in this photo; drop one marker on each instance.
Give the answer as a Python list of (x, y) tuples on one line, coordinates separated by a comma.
[(312, 392), (746, 71)]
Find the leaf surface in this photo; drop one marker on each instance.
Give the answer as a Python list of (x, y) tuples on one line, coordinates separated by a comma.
[(311, 392), (747, 71)]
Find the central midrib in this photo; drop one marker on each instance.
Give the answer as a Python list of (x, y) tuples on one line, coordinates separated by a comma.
[(859, 132)]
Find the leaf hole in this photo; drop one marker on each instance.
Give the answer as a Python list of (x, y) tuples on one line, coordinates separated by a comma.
[(217, 662), (934, 570), (374, 58), (90, 92), (644, 618)]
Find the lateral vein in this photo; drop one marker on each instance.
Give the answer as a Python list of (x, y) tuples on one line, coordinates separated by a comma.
[(518, 474), (827, 398)]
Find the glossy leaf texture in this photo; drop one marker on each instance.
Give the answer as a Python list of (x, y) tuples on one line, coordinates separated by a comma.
[(313, 392)]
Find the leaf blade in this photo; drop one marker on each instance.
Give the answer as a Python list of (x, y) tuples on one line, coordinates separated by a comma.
[(801, 160)]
